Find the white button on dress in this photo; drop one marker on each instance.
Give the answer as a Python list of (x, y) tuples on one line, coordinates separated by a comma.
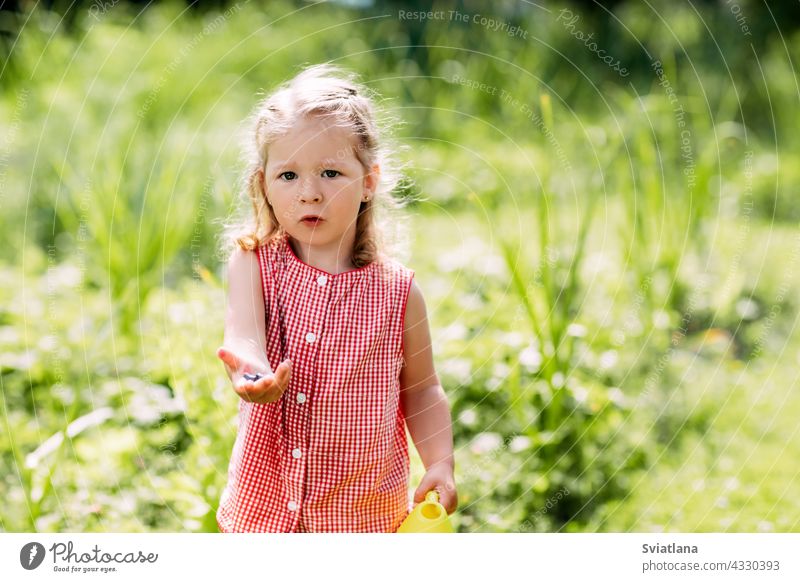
[(321, 280), (310, 337), (297, 453), (292, 505), (301, 397)]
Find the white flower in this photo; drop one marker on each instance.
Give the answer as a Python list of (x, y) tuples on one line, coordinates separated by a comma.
[(455, 331), (64, 275), (530, 358), (493, 383), (747, 308), (608, 359), (459, 369), (468, 417), (660, 319), (616, 396), (580, 394), (179, 313), (512, 338), (519, 443), (485, 442), (576, 330), (500, 369), (731, 484)]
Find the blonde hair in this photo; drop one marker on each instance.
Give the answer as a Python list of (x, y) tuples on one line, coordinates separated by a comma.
[(330, 92)]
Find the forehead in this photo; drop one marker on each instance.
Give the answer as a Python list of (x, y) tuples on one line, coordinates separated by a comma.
[(313, 139)]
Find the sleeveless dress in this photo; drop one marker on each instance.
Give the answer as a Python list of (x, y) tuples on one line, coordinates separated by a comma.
[(331, 455)]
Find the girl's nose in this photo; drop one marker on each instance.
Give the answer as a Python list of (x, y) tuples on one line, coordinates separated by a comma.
[(310, 193)]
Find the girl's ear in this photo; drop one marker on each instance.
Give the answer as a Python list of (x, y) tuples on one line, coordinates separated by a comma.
[(371, 179), (262, 183)]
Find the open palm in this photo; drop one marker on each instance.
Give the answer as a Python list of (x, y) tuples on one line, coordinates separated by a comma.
[(268, 388)]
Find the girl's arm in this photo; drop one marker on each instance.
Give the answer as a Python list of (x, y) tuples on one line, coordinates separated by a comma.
[(425, 405), (244, 349), (244, 319)]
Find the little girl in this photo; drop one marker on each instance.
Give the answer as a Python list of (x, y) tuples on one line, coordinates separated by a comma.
[(321, 443)]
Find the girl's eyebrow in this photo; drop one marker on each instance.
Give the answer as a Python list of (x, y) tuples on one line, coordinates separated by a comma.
[(326, 162)]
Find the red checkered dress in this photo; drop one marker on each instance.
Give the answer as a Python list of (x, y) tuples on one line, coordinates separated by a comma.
[(331, 454)]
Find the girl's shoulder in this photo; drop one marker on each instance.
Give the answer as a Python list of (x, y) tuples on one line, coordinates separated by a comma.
[(272, 248), (273, 242), (393, 270), (391, 264)]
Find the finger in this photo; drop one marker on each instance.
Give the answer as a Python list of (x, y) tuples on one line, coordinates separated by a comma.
[(223, 354), (243, 391), (424, 486), (266, 390), (229, 358), (247, 387), (449, 500), (284, 373), (448, 495), (264, 384), (256, 396)]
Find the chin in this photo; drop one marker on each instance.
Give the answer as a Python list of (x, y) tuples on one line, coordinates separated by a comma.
[(311, 238)]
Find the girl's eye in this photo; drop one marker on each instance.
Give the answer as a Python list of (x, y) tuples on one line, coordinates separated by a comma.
[(330, 173), (288, 176)]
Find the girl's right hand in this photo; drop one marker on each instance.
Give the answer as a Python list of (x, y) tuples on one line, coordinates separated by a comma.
[(269, 388)]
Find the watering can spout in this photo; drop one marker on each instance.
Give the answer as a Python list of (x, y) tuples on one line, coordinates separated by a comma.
[(430, 516)]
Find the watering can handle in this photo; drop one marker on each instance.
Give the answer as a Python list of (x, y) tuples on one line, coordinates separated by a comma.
[(432, 496), (428, 517)]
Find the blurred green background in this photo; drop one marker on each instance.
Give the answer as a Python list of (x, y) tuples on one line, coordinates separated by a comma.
[(605, 232)]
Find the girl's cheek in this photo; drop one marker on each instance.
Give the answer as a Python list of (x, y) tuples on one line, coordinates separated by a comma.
[(341, 191), (280, 191)]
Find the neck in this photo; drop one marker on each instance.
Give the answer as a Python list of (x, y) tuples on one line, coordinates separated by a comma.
[(334, 258)]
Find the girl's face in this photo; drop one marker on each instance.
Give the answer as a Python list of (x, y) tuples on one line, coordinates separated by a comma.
[(313, 171)]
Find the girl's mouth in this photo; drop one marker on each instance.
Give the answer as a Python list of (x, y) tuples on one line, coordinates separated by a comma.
[(311, 220)]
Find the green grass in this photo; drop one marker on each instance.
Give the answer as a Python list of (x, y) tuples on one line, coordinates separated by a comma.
[(739, 474)]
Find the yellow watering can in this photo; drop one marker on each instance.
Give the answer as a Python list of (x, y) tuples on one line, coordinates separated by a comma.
[(430, 516)]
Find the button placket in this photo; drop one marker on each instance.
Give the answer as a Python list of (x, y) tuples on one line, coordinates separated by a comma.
[(312, 340)]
